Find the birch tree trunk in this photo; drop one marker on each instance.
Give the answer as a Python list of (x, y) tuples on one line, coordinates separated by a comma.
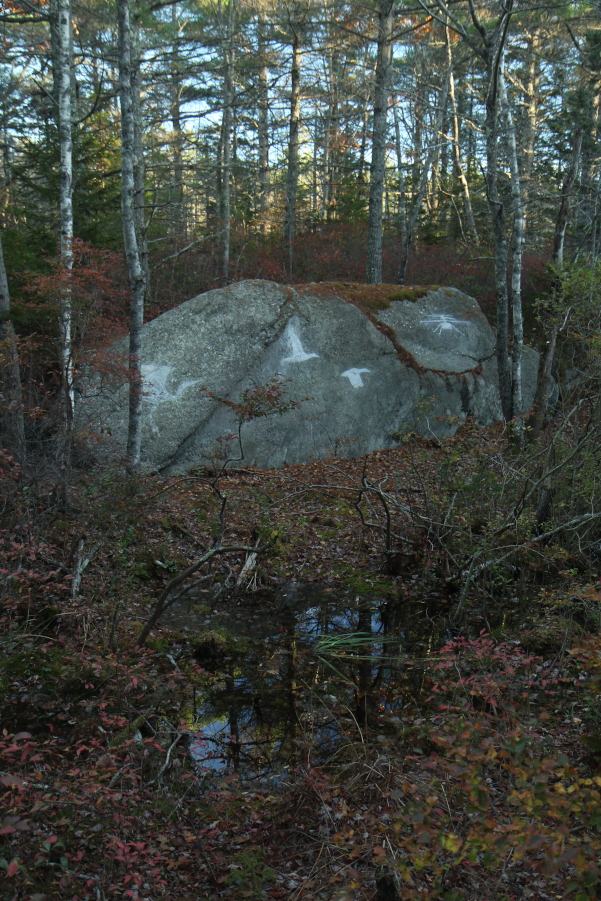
[(401, 215), (263, 126), (139, 164), (518, 234), (64, 97), (465, 190), (373, 266), (179, 220), (13, 425), (531, 113), (293, 145), (325, 178), (132, 252), (226, 132), (434, 144)]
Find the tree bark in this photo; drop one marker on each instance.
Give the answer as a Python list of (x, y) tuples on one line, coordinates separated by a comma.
[(519, 227), (139, 163), (226, 131), (263, 126), (494, 48), (465, 190), (132, 251), (293, 146), (64, 97), (178, 225), (531, 113), (13, 430), (373, 266), (401, 213)]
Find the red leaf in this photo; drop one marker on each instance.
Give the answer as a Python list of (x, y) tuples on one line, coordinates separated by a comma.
[(13, 867)]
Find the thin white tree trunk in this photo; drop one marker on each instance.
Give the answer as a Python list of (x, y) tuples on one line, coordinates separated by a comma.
[(373, 266), (325, 184), (531, 113), (402, 213), (263, 126), (136, 274), (226, 131), (293, 146), (519, 228), (178, 224), (64, 96), (465, 190), (139, 163)]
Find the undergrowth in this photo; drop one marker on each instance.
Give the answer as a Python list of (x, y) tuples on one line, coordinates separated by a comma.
[(477, 777)]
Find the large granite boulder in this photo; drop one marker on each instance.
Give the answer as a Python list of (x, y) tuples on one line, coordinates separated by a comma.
[(362, 376)]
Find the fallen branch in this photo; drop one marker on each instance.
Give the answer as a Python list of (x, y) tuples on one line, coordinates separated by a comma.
[(167, 596), (83, 562)]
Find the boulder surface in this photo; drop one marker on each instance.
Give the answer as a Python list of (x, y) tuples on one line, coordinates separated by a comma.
[(355, 375)]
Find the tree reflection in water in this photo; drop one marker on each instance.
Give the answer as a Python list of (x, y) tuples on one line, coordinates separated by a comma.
[(320, 672)]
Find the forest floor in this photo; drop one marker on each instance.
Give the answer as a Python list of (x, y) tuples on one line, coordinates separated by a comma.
[(436, 736)]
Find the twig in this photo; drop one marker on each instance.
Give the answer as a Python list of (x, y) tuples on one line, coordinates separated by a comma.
[(167, 598), (178, 737)]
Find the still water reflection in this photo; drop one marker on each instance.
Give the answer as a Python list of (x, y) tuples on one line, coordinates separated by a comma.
[(311, 672)]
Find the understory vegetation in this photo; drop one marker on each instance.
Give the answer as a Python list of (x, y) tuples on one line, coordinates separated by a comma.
[(459, 697)]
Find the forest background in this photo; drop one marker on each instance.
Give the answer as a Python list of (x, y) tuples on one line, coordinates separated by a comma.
[(253, 140), (151, 151)]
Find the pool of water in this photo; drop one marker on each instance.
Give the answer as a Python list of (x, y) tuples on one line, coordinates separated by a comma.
[(305, 675)]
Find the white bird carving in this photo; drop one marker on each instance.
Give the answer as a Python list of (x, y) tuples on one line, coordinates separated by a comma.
[(443, 322), (297, 351), (354, 376)]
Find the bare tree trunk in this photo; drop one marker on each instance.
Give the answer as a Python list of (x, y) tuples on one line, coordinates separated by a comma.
[(139, 164), (435, 142), (373, 267), (531, 111), (178, 225), (537, 415), (465, 190), (293, 145), (13, 430), (132, 251), (325, 178), (494, 43), (63, 91), (402, 213), (325, 166), (519, 227), (226, 132), (263, 128)]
